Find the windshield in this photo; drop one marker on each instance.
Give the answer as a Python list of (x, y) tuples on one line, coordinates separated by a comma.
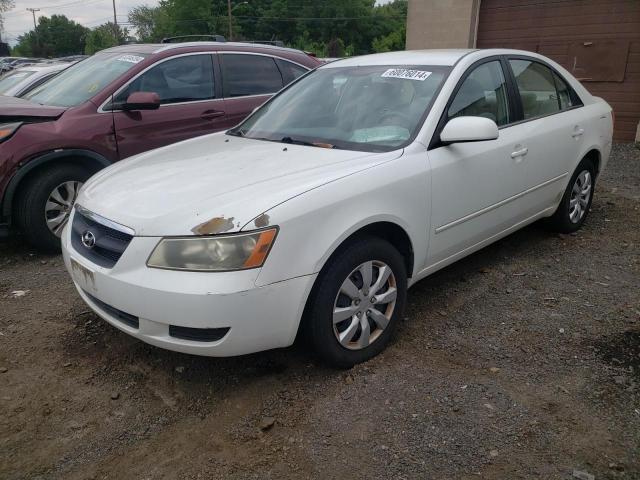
[(10, 80), (369, 108), (81, 81)]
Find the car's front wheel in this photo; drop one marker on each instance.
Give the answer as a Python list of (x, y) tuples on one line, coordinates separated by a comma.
[(45, 204), (358, 300)]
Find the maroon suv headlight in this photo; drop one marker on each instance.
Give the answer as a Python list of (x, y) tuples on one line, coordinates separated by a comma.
[(8, 129)]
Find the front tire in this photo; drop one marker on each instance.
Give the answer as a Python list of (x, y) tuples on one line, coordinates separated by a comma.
[(358, 301), (46, 202), (576, 201)]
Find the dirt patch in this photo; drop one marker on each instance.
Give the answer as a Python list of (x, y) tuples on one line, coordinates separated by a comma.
[(520, 361), (622, 351)]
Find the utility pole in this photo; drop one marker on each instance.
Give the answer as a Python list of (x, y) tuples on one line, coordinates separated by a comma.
[(230, 28), (229, 14), (33, 11), (115, 24)]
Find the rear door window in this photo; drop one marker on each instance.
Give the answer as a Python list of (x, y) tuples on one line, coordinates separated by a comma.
[(181, 79), (537, 88), (247, 74)]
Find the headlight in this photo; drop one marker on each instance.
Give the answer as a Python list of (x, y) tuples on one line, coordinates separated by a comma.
[(214, 254), (8, 129)]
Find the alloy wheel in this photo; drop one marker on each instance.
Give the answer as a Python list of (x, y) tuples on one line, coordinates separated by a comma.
[(364, 305), (580, 195), (59, 204)]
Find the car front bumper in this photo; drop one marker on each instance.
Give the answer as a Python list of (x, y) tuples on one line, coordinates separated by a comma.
[(152, 304)]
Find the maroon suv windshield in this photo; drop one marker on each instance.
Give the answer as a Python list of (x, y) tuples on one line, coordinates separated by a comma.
[(80, 82)]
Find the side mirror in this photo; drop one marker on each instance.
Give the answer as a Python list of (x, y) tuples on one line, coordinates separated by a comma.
[(142, 101), (468, 129)]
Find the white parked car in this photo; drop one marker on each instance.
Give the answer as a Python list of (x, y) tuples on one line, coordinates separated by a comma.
[(321, 209), (22, 80)]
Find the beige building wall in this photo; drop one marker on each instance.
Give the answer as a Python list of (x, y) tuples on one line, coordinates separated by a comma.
[(442, 24)]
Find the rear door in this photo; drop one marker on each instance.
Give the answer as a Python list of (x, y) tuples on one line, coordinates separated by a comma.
[(249, 80), (554, 126), (191, 104)]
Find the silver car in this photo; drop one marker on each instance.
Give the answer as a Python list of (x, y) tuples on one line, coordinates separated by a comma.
[(22, 80)]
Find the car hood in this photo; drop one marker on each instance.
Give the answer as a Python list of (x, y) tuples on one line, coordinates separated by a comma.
[(13, 109), (214, 184)]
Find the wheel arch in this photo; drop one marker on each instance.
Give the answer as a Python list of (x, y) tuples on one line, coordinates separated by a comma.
[(596, 157), (94, 161), (388, 230)]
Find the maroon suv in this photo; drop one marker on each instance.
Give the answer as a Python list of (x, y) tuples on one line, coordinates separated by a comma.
[(117, 103)]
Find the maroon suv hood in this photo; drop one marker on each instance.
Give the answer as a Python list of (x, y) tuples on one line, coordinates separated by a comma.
[(17, 108)]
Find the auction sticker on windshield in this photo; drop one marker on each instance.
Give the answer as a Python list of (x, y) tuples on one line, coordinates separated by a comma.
[(420, 75), (131, 58)]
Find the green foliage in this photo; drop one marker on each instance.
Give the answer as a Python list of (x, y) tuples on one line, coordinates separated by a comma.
[(105, 36), (327, 27), (53, 37)]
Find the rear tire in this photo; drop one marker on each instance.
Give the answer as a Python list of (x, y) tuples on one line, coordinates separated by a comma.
[(47, 198), (369, 313), (576, 201)]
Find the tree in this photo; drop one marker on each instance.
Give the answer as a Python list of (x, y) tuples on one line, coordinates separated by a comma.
[(150, 23), (327, 27), (53, 37), (103, 37), (5, 6)]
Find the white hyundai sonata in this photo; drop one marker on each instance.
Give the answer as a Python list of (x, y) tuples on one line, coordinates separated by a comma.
[(318, 212)]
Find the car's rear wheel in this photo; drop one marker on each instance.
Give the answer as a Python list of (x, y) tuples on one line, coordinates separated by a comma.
[(358, 300), (45, 204), (576, 201)]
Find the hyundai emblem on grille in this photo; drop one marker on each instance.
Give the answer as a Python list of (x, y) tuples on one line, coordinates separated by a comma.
[(88, 239)]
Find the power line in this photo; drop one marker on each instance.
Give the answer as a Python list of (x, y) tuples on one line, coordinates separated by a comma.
[(33, 11)]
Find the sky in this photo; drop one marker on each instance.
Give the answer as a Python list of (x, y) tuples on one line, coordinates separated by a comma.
[(89, 13)]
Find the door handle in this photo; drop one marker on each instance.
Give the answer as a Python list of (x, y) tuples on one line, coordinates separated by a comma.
[(211, 114), (519, 153), (577, 132)]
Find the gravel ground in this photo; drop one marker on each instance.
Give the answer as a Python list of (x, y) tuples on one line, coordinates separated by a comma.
[(521, 361)]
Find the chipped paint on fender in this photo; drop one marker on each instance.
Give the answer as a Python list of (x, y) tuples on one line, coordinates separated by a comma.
[(213, 226), (262, 221)]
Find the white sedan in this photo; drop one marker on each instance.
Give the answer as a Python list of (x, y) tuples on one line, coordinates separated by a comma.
[(317, 213)]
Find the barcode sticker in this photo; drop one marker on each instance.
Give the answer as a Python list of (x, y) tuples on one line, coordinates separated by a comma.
[(131, 58), (419, 75)]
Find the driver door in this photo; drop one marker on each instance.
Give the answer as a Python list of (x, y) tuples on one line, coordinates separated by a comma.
[(473, 182), (190, 105)]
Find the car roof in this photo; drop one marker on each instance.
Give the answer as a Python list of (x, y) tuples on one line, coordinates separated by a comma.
[(152, 48), (444, 57)]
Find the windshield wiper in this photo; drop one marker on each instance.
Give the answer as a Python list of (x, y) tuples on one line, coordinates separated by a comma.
[(308, 144)]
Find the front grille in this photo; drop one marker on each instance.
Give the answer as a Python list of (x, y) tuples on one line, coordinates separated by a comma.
[(124, 317), (198, 334), (109, 245)]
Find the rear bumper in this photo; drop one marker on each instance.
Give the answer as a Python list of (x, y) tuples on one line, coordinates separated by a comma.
[(152, 305)]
